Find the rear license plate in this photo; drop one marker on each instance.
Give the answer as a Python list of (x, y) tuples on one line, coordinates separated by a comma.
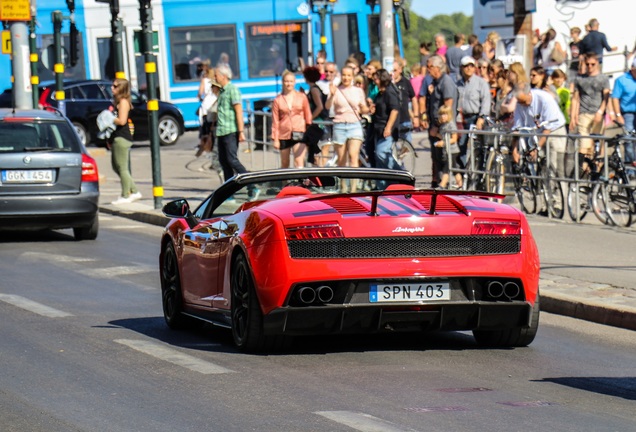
[(27, 176), (419, 292)]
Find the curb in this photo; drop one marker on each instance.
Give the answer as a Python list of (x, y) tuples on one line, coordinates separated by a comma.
[(589, 311)]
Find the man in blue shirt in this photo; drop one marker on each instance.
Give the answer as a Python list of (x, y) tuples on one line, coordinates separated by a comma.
[(623, 107)]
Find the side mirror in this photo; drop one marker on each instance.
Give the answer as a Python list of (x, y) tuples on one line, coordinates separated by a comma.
[(180, 209)]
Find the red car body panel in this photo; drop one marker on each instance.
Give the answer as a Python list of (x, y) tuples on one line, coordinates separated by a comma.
[(258, 231)]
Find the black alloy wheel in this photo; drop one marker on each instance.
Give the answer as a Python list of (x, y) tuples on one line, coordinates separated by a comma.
[(171, 297), (247, 325)]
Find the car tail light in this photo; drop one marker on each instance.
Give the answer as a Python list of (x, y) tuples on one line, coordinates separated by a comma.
[(89, 169), (313, 232), (494, 227)]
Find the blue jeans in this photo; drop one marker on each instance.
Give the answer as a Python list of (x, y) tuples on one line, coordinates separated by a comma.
[(405, 130), (630, 125), (384, 157), (228, 148)]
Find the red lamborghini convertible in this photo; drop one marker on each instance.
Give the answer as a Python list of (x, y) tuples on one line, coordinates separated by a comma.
[(273, 254)]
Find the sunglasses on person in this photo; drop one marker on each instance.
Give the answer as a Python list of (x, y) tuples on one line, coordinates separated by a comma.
[(591, 64), (114, 85)]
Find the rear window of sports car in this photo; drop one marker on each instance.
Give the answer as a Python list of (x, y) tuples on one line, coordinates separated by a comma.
[(34, 135)]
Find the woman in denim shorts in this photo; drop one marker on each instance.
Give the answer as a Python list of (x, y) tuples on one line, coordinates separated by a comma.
[(349, 103)]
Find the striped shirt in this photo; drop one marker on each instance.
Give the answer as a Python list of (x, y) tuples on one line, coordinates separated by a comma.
[(226, 116)]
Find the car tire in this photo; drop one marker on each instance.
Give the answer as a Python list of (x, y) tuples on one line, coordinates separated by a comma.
[(247, 317), (88, 232), (514, 337), (84, 135), (171, 296), (168, 130)]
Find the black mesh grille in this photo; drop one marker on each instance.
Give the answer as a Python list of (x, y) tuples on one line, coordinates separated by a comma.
[(405, 247)]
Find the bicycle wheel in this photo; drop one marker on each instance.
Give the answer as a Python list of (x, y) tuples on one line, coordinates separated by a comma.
[(598, 199), (583, 191), (495, 171), (526, 192), (404, 153), (553, 195), (618, 204)]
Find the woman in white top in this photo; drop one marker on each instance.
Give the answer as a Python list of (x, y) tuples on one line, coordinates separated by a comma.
[(208, 99), (550, 51), (349, 104)]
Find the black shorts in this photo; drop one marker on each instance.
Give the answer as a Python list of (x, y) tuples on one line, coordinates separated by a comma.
[(285, 144)]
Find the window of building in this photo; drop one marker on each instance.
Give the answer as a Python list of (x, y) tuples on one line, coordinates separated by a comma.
[(193, 47), (274, 48), (346, 38)]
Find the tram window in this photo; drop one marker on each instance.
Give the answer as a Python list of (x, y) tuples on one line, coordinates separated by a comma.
[(193, 46), (346, 40), (274, 48)]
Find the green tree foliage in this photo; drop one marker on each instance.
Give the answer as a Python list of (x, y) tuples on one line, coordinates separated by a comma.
[(424, 30)]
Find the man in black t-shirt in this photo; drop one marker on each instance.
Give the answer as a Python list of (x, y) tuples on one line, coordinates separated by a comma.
[(385, 121), (408, 99)]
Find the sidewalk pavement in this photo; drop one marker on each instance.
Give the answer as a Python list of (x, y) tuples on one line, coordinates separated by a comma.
[(185, 177)]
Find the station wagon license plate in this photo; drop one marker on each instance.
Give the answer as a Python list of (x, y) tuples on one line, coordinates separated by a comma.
[(418, 292), (27, 176)]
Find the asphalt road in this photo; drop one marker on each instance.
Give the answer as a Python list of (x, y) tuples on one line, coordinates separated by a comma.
[(83, 347)]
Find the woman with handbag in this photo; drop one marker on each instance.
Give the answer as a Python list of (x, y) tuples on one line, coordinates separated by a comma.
[(290, 116), (552, 55), (122, 141), (349, 104)]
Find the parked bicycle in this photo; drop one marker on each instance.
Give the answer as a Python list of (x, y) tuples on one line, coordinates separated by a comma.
[(619, 189), (491, 159), (533, 178), (586, 194)]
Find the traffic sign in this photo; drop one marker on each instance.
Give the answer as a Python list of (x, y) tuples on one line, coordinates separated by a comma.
[(6, 41), (15, 10)]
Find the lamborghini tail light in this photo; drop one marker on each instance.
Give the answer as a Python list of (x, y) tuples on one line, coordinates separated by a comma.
[(314, 232), (496, 227)]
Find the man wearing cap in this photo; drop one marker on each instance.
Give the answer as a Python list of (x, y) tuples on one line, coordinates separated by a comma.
[(534, 107), (474, 101), (623, 107)]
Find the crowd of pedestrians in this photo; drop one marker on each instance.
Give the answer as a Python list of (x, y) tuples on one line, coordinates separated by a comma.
[(564, 91), (452, 88)]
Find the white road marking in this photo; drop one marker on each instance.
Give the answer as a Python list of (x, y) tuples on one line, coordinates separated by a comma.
[(124, 227), (362, 422), (32, 306), (109, 272), (173, 356), (40, 256)]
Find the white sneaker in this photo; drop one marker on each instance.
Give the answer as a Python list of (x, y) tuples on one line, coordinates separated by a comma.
[(121, 200), (134, 197)]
